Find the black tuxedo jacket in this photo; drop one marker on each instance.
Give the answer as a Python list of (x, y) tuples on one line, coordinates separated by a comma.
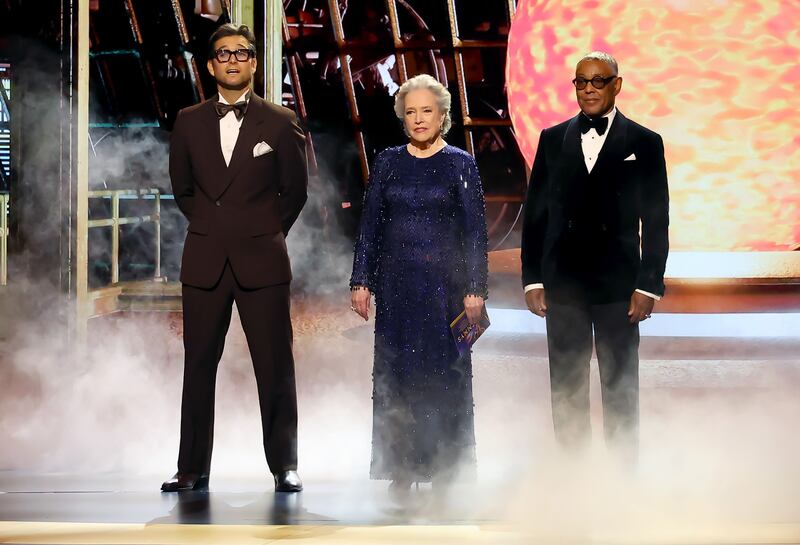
[(580, 233), (238, 213)]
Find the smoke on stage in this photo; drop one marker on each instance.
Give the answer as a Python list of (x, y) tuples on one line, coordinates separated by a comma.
[(715, 448)]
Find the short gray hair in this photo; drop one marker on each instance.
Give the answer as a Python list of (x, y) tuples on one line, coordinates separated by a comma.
[(424, 81), (602, 56)]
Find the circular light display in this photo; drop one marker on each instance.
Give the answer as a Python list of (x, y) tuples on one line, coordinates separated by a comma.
[(719, 80)]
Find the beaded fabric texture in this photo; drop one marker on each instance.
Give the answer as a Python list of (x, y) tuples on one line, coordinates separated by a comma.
[(421, 248)]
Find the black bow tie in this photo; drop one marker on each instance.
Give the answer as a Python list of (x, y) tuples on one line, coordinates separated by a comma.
[(586, 123), (238, 109)]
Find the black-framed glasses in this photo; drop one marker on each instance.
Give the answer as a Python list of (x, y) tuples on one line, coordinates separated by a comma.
[(242, 55), (598, 82)]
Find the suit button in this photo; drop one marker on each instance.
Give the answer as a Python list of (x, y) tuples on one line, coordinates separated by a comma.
[(218, 203)]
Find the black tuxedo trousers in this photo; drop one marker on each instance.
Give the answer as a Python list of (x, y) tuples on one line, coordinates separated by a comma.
[(571, 328)]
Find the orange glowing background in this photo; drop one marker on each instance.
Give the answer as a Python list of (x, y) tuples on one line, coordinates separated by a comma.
[(718, 79)]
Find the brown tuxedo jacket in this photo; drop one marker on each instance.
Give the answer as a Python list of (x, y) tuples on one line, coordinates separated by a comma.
[(239, 213)]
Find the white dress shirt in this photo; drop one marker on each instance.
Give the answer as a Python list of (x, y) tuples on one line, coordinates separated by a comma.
[(229, 128), (591, 145)]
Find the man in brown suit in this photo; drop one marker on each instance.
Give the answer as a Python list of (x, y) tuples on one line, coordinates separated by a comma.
[(238, 171)]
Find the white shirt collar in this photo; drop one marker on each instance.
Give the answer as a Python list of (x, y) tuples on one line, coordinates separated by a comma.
[(245, 96), (610, 115)]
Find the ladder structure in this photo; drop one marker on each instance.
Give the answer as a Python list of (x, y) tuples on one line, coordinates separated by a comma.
[(344, 47)]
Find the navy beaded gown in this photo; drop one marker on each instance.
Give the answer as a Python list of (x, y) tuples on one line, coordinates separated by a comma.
[(420, 250)]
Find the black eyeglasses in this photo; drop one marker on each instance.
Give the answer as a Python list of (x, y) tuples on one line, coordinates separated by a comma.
[(242, 55), (598, 82)]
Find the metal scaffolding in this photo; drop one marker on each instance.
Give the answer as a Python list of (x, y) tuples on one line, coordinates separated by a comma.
[(3, 239), (116, 221), (402, 47)]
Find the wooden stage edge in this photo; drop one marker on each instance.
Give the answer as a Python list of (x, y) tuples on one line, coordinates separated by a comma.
[(63, 533), (697, 282)]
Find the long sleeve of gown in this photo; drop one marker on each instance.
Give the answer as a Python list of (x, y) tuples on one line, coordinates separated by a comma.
[(475, 240), (368, 243)]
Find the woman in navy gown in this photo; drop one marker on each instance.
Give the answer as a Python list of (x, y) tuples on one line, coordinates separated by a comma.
[(421, 251)]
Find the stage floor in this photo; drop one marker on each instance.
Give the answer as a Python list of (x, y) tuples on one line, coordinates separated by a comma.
[(59, 509), (117, 510), (83, 463)]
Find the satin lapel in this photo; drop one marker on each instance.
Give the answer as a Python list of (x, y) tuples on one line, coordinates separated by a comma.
[(614, 146), (245, 142), (212, 122), (572, 161), (570, 172)]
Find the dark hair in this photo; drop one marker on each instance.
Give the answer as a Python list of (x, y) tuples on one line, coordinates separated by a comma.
[(229, 29)]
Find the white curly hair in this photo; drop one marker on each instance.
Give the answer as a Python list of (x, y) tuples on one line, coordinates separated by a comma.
[(424, 81)]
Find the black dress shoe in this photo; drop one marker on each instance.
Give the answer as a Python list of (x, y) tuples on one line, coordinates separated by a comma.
[(186, 481), (288, 481)]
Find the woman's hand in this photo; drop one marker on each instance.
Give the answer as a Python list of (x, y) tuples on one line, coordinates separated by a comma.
[(473, 304), (360, 298)]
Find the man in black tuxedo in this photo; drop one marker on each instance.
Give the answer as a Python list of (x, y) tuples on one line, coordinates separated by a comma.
[(238, 171), (596, 179)]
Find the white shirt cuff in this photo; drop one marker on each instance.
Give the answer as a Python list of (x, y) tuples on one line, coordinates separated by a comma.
[(540, 286), (651, 295)]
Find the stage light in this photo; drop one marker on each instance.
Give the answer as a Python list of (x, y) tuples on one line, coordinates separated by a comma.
[(719, 80)]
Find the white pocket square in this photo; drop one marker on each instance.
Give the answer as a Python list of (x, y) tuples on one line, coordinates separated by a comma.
[(261, 148), (631, 157)]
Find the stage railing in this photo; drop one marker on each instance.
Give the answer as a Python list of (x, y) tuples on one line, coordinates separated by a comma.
[(115, 222), (4, 199)]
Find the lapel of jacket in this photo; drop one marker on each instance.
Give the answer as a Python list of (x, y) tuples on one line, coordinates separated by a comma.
[(571, 153), (571, 171), (212, 121), (614, 146), (243, 150)]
